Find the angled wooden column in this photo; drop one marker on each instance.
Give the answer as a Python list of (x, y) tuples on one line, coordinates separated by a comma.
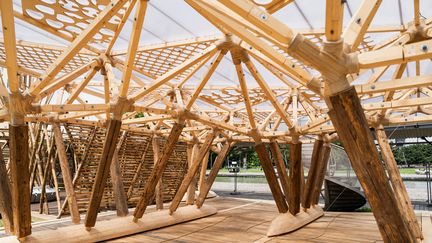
[(117, 181), (159, 185), (213, 173), (324, 156), (281, 168), (202, 177), (191, 174), (313, 175), (5, 196), (270, 174), (296, 177), (396, 181), (66, 173), (109, 147), (190, 196), (158, 170), (350, 122), (20, 179)]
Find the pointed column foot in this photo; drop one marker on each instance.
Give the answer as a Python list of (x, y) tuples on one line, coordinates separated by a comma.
[(286, 222)]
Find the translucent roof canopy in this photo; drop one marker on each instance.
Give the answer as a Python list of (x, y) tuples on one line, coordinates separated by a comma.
[(184, 55)]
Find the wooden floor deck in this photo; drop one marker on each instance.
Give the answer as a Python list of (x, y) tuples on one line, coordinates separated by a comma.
[(245, 220), (248, 221)]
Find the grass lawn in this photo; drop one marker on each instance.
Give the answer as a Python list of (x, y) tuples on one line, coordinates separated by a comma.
[(1, 223), (251, 170), (407, 171), (404, 171)]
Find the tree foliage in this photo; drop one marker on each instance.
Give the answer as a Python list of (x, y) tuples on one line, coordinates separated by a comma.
[(413, 154)]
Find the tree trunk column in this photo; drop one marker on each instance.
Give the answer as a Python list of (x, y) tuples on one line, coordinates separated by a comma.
[(117, 181), (313, 174), (296, 177), (109, 147), (158, 189), (20, 179), (67, 177), (396, 181), (270, 175), (5, 196), (350, 122), (322, 167)]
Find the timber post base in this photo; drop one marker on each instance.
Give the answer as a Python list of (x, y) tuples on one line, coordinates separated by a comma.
[(286, 222), (118, 227)]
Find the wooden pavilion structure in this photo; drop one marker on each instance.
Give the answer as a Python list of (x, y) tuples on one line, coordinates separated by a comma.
[(326, 91)]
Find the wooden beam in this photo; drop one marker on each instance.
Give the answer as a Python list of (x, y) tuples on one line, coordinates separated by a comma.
[(280, 167), (417, 12), (174, 72), (357, 27), (313, 175), (159, 185), (78, 43), (396, 54), (117, 180), (270, 174), (268, 93), (206, 78), (158, 170), (109, 147), (296, 177), (192, 171), (10, 44), (349, 120), (66, 173), (75, 93), (138, 22), (244, 91), (334, 20), (397, 183), (5, 196), (395, 84), (220, 159), (20, 179)]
